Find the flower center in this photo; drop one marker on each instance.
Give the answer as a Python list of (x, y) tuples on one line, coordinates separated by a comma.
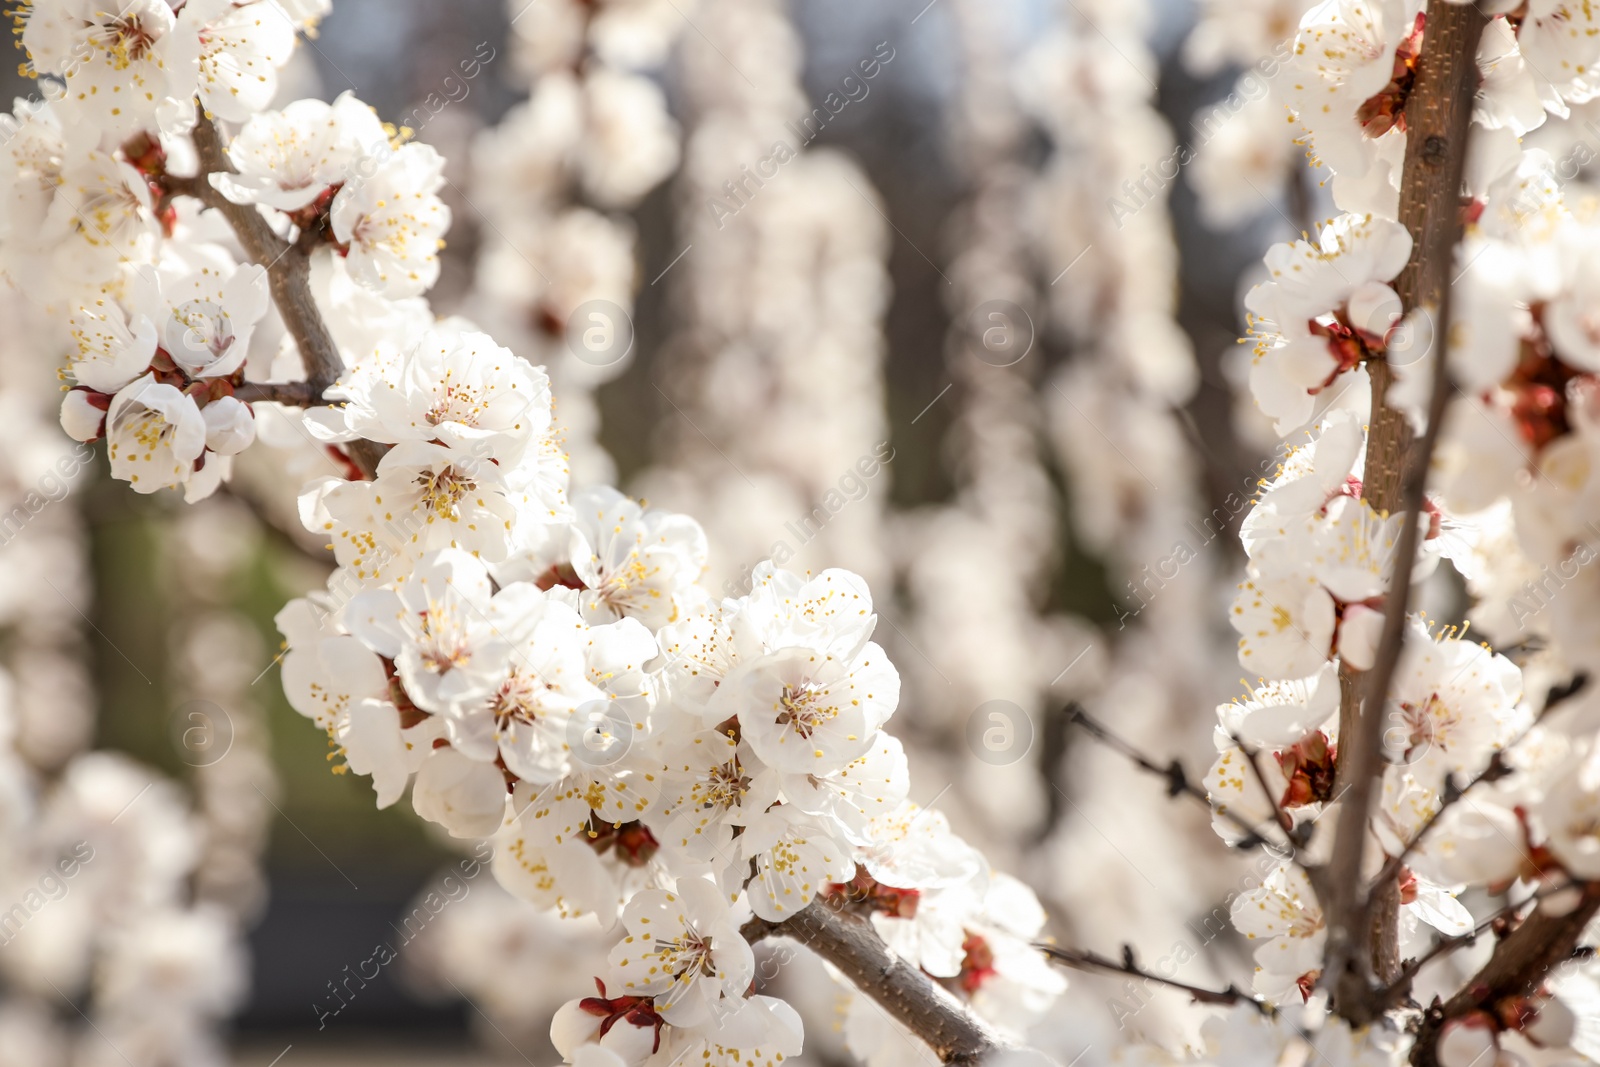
[(1429, 722), (518, 698), (803, 709), (624, 587), (455, 403), (442, 490), (687, 957), (725, 786), (207, 328), (126, 39), (147, 429), (444, 641)]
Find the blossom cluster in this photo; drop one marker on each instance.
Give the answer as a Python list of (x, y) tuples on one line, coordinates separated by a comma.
[(1507, 493), (533, 657), (639, 750), (165, 317), (540, 660)]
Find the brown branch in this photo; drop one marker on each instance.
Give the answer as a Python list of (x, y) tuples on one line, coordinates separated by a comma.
[(1177, 779), (1363, 928), (1518, 968), (1253, 755), (1401, 987), (288, 276), (910, 997), (1092, 961), (290, 394)]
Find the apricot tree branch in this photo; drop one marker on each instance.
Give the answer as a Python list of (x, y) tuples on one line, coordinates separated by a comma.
[(289, 280), (1364, 936), (290, 394), (910, 997), (1177, 779), (1518, 968), (1443, 946), (1092, 961), (1363, 927)]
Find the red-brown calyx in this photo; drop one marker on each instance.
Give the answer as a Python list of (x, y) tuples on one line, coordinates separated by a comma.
[(1386, 109), (1309, 766), (635, 1011), (864, 891), (977, 963), (633, 842)]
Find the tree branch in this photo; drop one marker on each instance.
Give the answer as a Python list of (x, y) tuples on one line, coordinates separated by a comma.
[(1253, 755), (913, 999), (1446, 945), (288, 276), (1177, 779), (1092, 961), (290, 394), (1518, 968), (1362, 938)]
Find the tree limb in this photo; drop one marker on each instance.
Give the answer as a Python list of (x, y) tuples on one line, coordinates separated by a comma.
[(1177, 779), (290, 394), (1092, 961), (910, 997), (1446, 945), (1518, 968), (1362, 938), (288, 276)]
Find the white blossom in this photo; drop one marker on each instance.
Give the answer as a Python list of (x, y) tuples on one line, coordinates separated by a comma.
[(126, 65), (393, 221), (154, 433), (684, 948), (634, 562)]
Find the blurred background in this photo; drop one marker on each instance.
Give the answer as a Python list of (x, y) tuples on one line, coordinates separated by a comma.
[(983, 276)]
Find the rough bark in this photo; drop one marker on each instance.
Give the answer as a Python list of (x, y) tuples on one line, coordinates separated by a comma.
[(1518, 968), (910, 997), (289, 279), (1362, 925)]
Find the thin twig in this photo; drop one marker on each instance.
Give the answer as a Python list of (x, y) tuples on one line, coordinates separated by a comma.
[(1093, 961), (1253, 756), (1177, 779), (290, 394), (1445, 945)]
